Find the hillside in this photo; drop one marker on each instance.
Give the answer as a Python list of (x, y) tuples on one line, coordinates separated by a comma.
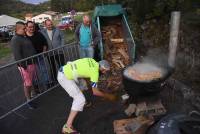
[(18, 9)]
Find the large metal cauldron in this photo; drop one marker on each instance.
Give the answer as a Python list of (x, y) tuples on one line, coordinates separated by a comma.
[(136, 88)]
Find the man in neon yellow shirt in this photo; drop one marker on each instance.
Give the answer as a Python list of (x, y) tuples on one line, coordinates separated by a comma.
[(67, 77)]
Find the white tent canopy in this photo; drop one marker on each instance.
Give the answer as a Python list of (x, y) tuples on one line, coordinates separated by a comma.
[(6, 20)]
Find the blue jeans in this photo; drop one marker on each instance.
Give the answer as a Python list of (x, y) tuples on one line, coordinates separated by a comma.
[(86, 52), (42, 71)]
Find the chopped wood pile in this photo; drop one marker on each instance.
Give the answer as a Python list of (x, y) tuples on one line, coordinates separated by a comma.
[(115, 47), (116, 53)]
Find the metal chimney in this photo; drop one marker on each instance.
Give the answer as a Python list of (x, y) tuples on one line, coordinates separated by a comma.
[(173, 41)]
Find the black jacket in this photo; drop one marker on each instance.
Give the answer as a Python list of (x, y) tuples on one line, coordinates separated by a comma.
[(22, 48)]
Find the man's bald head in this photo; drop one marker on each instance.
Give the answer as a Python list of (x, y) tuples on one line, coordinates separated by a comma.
[(20, 28), (86, 20)]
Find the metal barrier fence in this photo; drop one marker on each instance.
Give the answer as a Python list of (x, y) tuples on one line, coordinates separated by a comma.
[(46, 65)]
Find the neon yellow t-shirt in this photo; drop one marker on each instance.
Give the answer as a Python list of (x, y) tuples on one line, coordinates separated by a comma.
[(83, 68)]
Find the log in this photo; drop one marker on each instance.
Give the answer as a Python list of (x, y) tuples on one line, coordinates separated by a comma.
[(130, 110), (151, 108), (118, 63), (116, 57), (123, 53), (118, 40), (141, 109), (137, 125)]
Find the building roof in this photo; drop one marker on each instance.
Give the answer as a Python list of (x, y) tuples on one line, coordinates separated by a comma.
[(39, 15), (6, 20), (50, 13)]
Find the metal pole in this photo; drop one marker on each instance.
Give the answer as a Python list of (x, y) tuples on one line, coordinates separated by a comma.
[(101, 44), (173, 42)]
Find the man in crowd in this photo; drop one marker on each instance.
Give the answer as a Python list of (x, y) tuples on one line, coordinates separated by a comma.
[(40, 44), (88, 36), (68, 77), (23, 48), (38, 40), (55, 39)]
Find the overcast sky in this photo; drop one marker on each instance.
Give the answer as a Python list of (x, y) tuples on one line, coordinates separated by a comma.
[(34, 1)]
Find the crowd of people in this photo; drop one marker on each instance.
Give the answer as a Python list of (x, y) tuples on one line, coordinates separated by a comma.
[(29, 40)]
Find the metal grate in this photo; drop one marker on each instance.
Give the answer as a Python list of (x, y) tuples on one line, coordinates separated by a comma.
[(47, 63)]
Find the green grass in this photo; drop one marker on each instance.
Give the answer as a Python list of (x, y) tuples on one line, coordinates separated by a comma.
[(56, 22), (4, 51), (69, 36), (78, 18)]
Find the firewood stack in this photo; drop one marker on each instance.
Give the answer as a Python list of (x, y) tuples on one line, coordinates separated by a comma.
[(116, 53)]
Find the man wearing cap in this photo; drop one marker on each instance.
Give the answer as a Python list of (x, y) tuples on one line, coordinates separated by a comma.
[(67, 77)]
